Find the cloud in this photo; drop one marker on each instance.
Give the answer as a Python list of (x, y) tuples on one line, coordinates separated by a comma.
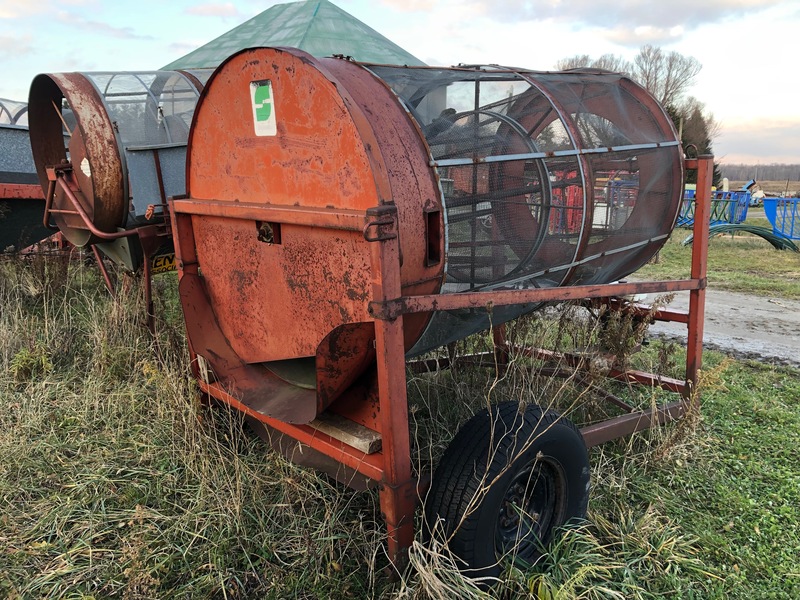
[(632, 13), (629, 22), (11, 46), (644, 34), (226, 9), (127, 33), (184, 47), (14, 9), (763, 140), (410, 5)]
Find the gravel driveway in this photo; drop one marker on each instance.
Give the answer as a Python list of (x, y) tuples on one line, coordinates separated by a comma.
[(744, 326)]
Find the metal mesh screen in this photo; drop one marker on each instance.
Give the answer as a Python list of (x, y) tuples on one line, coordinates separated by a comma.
[(547, 179), (148, 108), (151, 111), (15, 147)]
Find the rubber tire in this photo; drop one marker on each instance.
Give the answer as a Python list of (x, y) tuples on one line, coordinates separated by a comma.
[(535, 439)]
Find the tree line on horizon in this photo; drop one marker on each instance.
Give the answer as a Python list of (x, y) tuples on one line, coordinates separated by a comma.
[(770, 172)]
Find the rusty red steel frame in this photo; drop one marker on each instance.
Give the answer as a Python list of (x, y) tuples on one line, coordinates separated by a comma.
[(333, 223), (391, 466), (21, 191), (61, 180)]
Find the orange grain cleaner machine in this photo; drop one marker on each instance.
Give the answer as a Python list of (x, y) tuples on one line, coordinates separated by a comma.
[(342, 218)]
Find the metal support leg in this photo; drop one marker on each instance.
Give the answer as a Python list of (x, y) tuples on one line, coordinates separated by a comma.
[(697, 297), (398, 492), (104, 272), (500, 344)]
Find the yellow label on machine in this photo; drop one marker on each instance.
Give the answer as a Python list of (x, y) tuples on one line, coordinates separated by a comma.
[(163, 263)]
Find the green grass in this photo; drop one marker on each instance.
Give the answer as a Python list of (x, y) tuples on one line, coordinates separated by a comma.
[(733, 485), (740, 263), (743, 264), (116, 483)]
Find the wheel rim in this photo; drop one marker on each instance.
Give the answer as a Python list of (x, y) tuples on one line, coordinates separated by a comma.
[(532, 506)]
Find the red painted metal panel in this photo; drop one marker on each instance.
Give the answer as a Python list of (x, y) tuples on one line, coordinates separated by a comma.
[(20, 191)]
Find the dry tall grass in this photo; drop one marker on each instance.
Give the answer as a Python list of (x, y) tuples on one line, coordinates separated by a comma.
[(116, 482)]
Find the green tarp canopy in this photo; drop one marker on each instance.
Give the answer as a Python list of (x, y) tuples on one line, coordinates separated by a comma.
[(316, 26)]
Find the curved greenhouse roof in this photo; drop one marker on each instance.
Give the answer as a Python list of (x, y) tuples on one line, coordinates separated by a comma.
[(13, 113)]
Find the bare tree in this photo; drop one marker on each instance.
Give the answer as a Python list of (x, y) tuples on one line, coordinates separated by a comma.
[(608, 62), (665, 75), (770, 172), (579, 61)]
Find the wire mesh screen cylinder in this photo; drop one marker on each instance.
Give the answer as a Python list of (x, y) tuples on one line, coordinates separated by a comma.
[(127, 138), (547, 179), (500, 178)]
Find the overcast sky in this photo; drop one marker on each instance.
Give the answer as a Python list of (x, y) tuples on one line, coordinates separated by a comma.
[(748, 48)]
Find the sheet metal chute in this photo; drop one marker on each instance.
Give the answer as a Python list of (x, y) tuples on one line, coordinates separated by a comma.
[(490, 179), (125, 155)]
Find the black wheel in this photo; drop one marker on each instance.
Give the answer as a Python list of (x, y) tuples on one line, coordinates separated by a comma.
[(507, 481)]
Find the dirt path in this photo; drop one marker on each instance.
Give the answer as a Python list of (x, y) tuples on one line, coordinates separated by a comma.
[(744, 326)]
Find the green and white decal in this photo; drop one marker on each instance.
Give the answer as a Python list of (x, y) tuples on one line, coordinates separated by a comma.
[(263, 108)]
